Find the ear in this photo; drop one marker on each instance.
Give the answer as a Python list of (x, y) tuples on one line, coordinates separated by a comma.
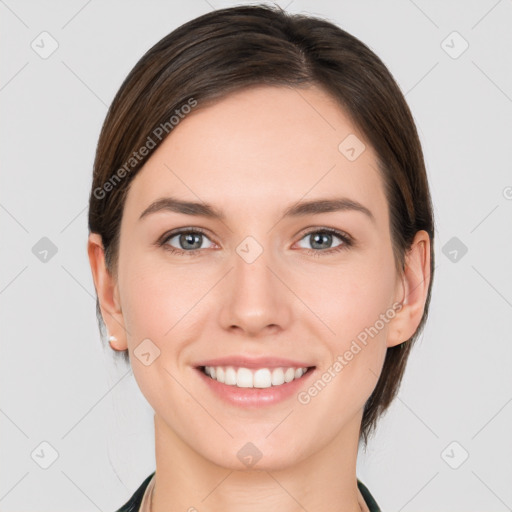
[(107, 292), (412, 289)]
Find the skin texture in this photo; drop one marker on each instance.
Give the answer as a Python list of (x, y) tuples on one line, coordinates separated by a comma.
[(252, 155)]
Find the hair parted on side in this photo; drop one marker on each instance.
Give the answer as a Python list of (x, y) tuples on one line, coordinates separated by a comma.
[(229, 49)]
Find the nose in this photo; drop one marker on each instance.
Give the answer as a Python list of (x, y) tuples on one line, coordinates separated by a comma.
[(254, 300)]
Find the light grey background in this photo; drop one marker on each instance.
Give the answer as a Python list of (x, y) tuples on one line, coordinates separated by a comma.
[(60, 386)]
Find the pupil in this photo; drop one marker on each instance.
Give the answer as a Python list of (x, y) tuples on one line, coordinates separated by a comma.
[(320, 236), (189, 238)]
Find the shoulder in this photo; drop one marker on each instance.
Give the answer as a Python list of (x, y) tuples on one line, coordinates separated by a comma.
[(133, 504)]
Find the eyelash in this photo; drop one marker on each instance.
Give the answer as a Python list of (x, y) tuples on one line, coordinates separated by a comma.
[(345, 238)]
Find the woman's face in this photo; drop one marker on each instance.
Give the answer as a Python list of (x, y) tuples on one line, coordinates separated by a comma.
[(262, 283)]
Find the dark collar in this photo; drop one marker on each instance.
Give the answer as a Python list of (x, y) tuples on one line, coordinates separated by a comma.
[(133, 504)]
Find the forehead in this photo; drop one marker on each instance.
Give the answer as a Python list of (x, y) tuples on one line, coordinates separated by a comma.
[(262, 148)]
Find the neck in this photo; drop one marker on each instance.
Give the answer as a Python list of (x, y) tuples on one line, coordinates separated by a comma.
[(185, 480)]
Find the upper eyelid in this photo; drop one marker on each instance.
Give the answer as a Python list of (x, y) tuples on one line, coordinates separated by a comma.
[(347, 239), (171, 234)]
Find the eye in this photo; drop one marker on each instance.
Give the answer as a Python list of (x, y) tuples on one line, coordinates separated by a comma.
[(190, 241), (321, 241), (185, 241)]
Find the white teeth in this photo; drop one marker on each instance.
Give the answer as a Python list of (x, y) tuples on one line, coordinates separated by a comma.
[(230, 377), (277, 377), (244, 378), (289, 374), (260, 378)]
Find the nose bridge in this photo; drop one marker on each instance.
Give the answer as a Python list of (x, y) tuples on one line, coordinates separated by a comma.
[(256, 300)]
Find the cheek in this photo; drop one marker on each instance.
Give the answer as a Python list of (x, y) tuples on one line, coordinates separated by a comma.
[(355, 302), (158, 305), (156, 297), (351, 297)]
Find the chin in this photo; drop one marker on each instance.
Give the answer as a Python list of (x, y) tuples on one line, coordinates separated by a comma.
[(255, 456)]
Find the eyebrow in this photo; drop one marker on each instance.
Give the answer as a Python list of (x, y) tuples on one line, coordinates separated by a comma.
[(312, 207)]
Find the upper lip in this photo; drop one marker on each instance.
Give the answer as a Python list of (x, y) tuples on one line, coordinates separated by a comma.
[(256, 362)]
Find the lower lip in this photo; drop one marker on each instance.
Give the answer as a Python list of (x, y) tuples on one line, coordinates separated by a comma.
[(255, 397)]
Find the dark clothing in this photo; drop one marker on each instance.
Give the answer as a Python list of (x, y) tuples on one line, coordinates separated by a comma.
[(133, 504)]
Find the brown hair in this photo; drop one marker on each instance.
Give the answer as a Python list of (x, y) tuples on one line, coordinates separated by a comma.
[(229, 49)]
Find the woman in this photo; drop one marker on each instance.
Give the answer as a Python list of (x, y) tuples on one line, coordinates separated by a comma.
[(261, 243)]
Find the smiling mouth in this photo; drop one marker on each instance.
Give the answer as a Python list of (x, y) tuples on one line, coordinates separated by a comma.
[(255, 378)]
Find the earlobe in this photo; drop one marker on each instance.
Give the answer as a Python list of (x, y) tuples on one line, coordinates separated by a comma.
[(114, 343), (107, 292), (413, 290)]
